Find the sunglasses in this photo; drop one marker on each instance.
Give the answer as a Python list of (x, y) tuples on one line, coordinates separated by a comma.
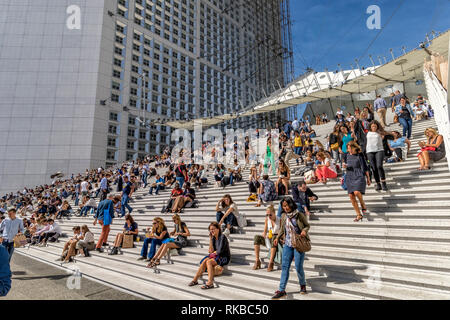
[(155, 222)]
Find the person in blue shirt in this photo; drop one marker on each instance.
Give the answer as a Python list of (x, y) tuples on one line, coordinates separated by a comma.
[(9, 228), (127, 191), (104, 215), (5, 272), (345, 137), (158, 185), (397, 144)]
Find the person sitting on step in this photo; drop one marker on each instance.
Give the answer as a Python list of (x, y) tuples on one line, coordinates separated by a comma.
[(69, 249), (227, 212), (201, 177), (326, 169), (178, 240), (219, 256), (155, 237), (267, 191), (159, 184), (271, 227), (86, 242), (187, 196), (129, 228), (303, 196), (253, 184), (432, 150), (175, 193), (398, 143), (284, 176)]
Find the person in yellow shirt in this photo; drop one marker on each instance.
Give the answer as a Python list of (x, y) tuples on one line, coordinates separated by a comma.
[(298, 146)]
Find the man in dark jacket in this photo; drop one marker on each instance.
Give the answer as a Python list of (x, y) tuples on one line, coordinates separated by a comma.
[(303, 196)]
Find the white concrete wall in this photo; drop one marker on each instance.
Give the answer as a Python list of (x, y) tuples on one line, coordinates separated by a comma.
[(48, 77)]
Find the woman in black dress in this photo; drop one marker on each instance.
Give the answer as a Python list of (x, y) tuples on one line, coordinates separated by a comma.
[(356, 178)]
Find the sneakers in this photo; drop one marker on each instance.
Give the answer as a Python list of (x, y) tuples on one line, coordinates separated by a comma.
[(303, 290), (378, 187), (279, 294), (99, 250)]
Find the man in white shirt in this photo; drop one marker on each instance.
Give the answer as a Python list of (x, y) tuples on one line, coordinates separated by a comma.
[(295, 124), (84, 186), (54, 232)]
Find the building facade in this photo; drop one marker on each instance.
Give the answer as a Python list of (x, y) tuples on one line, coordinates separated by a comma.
[(82, 81)]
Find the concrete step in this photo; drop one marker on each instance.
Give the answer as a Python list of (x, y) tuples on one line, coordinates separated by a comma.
[(333, 273)]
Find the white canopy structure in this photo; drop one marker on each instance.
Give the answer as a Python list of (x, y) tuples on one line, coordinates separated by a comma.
[(322, 85)]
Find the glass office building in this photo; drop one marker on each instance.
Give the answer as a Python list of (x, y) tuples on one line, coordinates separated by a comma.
[(78, 77)]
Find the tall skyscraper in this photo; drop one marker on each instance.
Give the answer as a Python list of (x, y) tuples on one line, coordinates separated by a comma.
[(82, 81)]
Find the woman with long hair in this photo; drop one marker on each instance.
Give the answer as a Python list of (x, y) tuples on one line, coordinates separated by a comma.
[(357, 177), (292, 222), (158, 233), (227, 212), (130, 227), (326, 169), (433, 149), (86, 242), (219, 255), (284, 175), (179, 240), (375, 154)]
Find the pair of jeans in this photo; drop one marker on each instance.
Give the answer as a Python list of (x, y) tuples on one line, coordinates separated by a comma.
[(77, 199), (376, 163), (9, 246), (85, 210), (153, 244), (125, 204), (230, 220), (144, 178), (407, 126), (231, 179), (336, 156), (288, 255), (158, 187), (299, 207), (180, 180)]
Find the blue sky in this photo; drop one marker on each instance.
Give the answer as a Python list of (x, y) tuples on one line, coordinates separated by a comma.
[(331, 32), (328, 32)]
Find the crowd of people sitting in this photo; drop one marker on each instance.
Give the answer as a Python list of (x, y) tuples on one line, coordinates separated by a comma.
[(356, 150)]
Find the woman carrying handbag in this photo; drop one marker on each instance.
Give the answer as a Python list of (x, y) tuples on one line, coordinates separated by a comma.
[(294, 228)]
